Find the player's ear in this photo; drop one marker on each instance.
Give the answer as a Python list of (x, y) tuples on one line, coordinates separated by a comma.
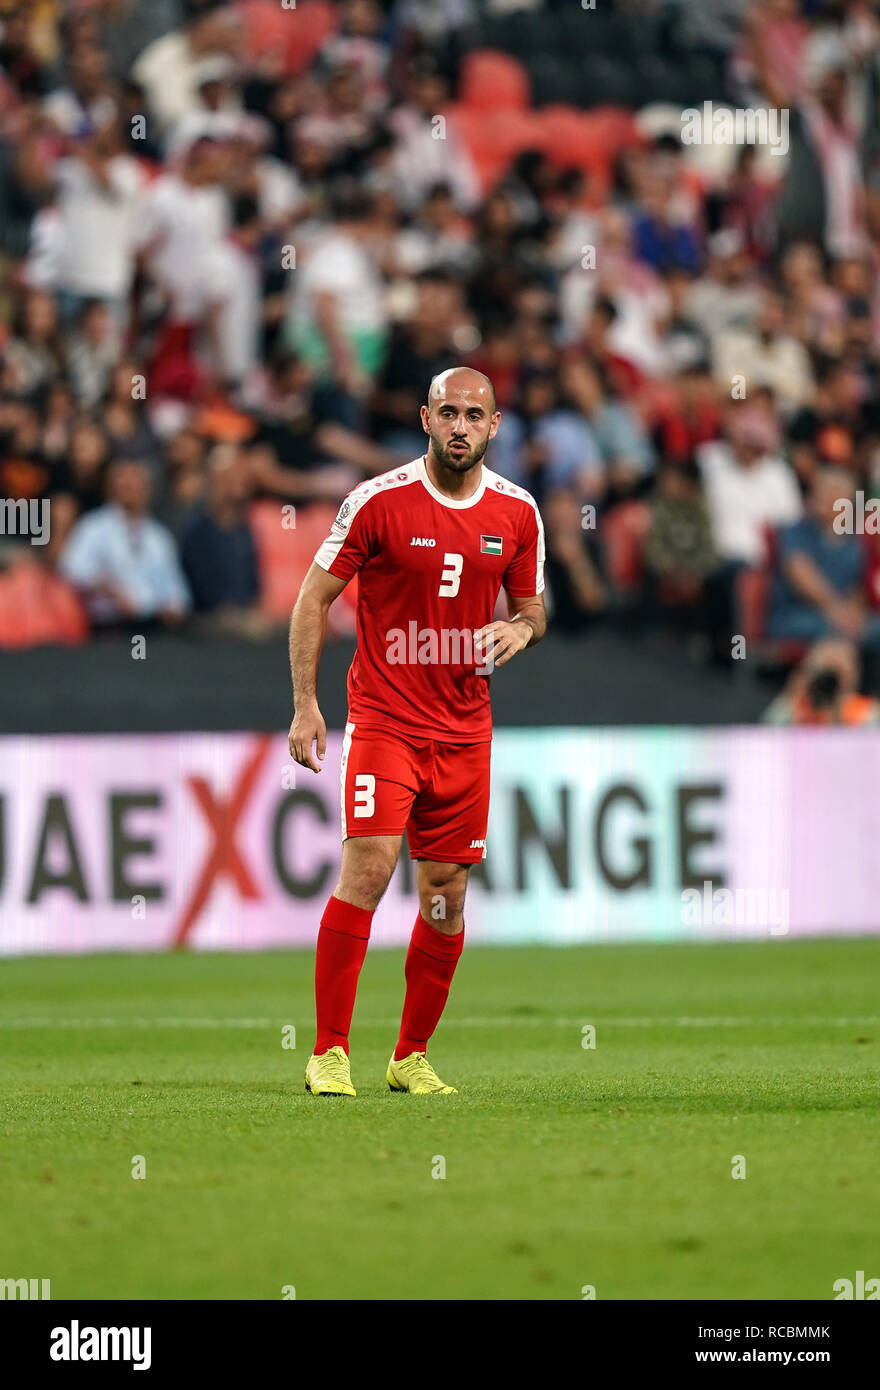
[(426, 417), (496, 421)]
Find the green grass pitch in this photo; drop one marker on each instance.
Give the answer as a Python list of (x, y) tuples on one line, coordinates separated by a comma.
[(565, 1166)]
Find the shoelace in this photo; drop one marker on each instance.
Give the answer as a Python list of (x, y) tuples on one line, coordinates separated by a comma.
[(420, 1069), (336, 1067)]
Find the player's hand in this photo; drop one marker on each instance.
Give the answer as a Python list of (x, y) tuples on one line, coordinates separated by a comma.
[(499, 641), (308, 725)]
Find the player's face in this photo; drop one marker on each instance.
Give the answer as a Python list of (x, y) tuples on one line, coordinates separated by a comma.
[(460, 423)]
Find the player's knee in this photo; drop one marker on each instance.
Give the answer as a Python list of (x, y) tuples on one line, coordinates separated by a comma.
[(366, 886), (367, 867), (442, 899)]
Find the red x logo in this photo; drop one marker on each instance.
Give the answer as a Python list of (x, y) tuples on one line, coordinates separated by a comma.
[(224, 857)]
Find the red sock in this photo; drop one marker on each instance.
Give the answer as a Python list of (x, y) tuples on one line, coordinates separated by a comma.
[(430, 966), (342, 945)]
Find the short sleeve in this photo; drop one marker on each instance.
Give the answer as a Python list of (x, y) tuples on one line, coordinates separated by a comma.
[(792, 539), (351, 541), (524, 576)]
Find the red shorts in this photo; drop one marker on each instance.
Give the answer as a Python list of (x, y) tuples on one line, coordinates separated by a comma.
[(437, 792)]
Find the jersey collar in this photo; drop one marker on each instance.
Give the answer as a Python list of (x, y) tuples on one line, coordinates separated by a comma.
[(422, 472)]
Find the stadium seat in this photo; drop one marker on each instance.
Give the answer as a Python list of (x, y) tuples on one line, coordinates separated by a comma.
[(589, 140), (522, 34), (564, 135), (494, 139), (624, 532), (284, 557), (752, 594), (38, 607), (752, 600), (608, 81), (661, 79), (298, 32), (492, 81), (576, 32), (615, 129)]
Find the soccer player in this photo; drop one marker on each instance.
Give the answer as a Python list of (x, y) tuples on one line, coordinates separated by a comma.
[(432, 543)]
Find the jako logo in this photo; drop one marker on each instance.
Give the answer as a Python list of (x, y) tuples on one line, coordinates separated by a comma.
[(423, 540), (24, 1288), (845, 1287), (77, 1343)]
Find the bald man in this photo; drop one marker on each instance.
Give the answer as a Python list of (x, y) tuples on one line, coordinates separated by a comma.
[(432, 544)]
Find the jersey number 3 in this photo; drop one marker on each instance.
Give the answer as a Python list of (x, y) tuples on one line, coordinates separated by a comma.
[(451, 576)]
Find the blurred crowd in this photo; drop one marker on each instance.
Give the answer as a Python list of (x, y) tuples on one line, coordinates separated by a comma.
[(238, 239)]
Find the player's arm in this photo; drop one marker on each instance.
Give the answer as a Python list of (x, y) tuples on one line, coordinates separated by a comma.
[(530, 612), (526, 625), (307, 628)]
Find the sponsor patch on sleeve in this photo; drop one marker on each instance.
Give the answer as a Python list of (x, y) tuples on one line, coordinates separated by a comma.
[(343, 516)]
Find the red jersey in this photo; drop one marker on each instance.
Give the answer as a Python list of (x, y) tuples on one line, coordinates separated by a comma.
[(430, 569)]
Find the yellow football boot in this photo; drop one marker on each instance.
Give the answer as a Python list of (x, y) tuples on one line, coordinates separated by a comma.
[(330, 1074), (416, 1075)]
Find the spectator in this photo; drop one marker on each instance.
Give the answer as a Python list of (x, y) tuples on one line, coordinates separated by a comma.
[(233, 294), (86, 106), (218, 551), (726, 297), (824, 689), (337, 312), (420, 348), (625, 448), (184, 217), (82, 474), (820, 587), (122, 561), (169, 69), (125, 417), (549, 445), (93, 352), (684, 579), (577, 594), (659, 239), (835, 408), (766, 355), (421, 158), (19, 56), (36, 353), (359, 45), (25, 470), (181, 483), (748, 487), (216, 109), (438, 237), (823, 197), (98, 198), (36, 606)]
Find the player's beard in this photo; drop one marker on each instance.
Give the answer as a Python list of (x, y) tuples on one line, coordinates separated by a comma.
[(458, 463)]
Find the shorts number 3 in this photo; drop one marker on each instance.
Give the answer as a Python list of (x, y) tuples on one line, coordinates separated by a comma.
[(364, 796)]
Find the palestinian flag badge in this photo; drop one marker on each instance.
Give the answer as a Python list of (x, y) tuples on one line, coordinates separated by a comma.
[(490, 545)]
